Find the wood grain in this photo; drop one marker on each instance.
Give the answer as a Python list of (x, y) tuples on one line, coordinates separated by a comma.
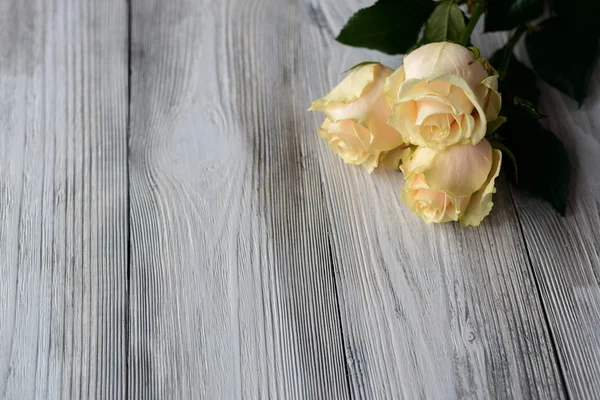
[(232, 294), (63, 199), (427, 311), (564, 250), (218, 249)]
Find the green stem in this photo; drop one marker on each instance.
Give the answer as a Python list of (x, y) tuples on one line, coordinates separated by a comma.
[(466, 34), (508, 49)]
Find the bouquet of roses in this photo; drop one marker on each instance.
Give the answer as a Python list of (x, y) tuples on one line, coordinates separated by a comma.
[(440, 118)]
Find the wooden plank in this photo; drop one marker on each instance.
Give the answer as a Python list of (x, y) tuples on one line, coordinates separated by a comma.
[(63, 199), (427, 311), (231, 286), (564, 250)]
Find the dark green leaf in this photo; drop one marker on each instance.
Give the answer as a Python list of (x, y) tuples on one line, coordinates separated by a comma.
[(544, 168), (562, 57), (521, 81), (503, 15), (360, 64), (580, 16), (390, 26), (527, 107), (517, 80), (446, 23)]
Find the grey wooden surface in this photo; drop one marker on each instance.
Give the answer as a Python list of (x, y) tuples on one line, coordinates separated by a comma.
[(172, 227), (63, 199)]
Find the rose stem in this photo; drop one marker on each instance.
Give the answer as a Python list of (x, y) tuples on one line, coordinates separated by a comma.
[(466, 34)]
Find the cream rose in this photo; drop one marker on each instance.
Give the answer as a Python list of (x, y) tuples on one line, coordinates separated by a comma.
[(356, 125), (455, 184), (442, 96)]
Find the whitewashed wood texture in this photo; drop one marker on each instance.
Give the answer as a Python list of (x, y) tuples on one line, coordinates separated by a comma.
[(225, 252), (63, 199), (232, 291), (565, 251)]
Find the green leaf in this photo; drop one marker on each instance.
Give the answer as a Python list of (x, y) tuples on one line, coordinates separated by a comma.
[(446, 23), (503, 15), (544, 168), (360, 64), (390, 26), (562, 57), (521, 81), (527, 107), (517, 80)]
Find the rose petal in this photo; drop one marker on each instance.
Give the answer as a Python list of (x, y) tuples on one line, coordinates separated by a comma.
[(385, 137), (493, 100), (394, 158), (430, 108), (418, 161), (355, 95), (480, 205), (478, 114), (458, 170), (436, 59), (403, 119), (392, 85), (430, 204), (449, 90), (350, 141), (342, 131)]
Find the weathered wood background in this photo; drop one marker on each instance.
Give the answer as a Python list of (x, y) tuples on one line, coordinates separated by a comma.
[(172, 227)]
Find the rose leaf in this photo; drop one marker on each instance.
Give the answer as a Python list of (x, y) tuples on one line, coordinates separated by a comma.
[(563, 58), (503, 15), (446, 23), (390, 26), (544, 167), (517, 80), (581, 16)]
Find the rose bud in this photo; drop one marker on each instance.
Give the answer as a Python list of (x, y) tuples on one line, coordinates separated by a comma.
[(442, 96), (455, 184), (356, 125)]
